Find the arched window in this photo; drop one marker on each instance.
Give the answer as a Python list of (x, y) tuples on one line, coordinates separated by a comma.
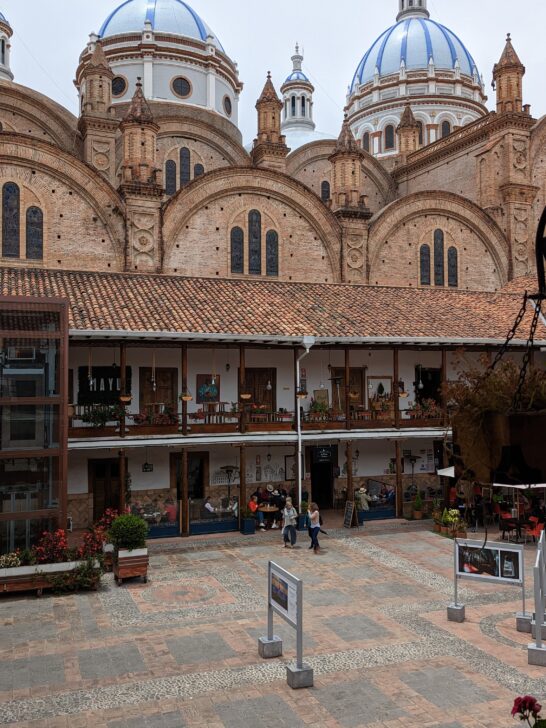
[(185, 166), (272, 253), (293, 106), (35, 234), (237, 250), (421, 134), (286, 109), (439, 277), (303, 107), (325, 191), (425, 265), (389, 137), (366, 141), (3, 52), (170, 177), (10, 220), (446, 128), (198, 171), (452, 268), (254, 243)]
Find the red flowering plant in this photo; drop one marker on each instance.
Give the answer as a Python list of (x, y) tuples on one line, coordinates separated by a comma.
[(104, 523), (528, 709), (52, 548)]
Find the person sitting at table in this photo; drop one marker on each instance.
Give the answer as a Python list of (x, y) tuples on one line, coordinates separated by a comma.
[(171, 510), (208, 509), (261, 494), (233, 506), (253, 506)]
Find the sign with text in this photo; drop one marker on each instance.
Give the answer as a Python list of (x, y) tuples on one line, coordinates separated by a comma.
[(283, 593), (492, 562), (349, 514)]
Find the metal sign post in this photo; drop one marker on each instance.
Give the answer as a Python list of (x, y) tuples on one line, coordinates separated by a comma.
[(536, 652), (490, 562), (285, 597)]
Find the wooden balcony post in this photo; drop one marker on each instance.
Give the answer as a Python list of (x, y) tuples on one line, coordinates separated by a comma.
[(350, 481), (123, 383), (242, 482), (242, 386), (185, 496), (184, 372), (122, 480), (443, 386), (399, 490), (347, 388), (395, 387)]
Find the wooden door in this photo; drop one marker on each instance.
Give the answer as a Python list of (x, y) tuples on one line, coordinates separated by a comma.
[(356, 387), (165, 392), (257, 381), (104, 483)]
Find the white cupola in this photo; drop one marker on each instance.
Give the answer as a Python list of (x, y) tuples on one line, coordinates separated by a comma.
[(5, 46), (297, 93), (412, 8)]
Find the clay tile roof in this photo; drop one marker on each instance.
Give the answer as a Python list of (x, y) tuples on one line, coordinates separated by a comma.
[(521, 284), (269, 309), (139, 110), (408, 120), (346, 141), (509, 56), (269, 93)]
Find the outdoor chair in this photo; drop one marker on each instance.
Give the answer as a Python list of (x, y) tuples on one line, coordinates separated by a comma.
[(506, 524), (535, 530)]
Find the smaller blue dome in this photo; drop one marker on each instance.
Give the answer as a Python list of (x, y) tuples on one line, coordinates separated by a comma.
[(297, 76)]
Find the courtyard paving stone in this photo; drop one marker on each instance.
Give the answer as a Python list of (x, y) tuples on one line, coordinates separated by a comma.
[(181, 651)]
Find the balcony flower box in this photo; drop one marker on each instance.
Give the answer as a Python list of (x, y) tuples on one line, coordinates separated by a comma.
[(41, 576)]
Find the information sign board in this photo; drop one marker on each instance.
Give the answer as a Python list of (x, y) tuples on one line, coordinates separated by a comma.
[(283, 593), (492, 562)]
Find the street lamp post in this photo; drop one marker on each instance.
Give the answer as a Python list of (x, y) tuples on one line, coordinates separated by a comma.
[(308, 342)]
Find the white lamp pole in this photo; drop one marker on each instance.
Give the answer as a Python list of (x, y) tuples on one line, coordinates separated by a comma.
[(308, 342)]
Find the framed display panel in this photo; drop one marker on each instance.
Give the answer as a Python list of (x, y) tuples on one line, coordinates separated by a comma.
[(34, 417)]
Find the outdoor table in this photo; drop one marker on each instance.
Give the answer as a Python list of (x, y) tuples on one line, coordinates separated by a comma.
[(269, 510)]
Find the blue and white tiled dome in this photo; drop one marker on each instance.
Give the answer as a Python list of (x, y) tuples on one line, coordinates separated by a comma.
[(166, 16), (297, 76), (414, 40)]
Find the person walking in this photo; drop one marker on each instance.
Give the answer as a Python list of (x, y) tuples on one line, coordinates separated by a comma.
[(314, 517), (289, 521)]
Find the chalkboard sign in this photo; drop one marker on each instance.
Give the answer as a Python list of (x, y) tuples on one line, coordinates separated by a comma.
[(349, 514)]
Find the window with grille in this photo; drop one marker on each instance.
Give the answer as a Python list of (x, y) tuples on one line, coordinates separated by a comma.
[(10, 220), (237, 250), (254, 243), (389, 137), (185, 166), (272, 253), (425, 265), (35, 234), (439, 277), (452, 268), (170, 177), (325, 191)]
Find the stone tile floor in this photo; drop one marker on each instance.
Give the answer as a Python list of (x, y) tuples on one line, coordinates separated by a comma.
[(181, 651)]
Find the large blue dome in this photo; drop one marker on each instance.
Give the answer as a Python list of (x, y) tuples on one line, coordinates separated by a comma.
[(166, 16), (414, 41)]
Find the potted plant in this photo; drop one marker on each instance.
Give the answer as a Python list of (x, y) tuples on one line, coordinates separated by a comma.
[(248, 522), (445, 521), (128, 534), (418, 507), (318, 411), (302, 517)]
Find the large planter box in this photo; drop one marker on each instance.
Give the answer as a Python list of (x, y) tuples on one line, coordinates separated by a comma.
[(30, 578), (128, 564)]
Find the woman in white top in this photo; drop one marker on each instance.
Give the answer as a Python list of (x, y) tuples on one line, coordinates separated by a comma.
[(314, 517), (289, 521)]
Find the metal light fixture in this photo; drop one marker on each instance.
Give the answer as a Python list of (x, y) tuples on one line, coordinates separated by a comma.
[(186, 395), (402, 389), (420, 385), (269, 386), (89, 366), (153, 380), (301, 393)]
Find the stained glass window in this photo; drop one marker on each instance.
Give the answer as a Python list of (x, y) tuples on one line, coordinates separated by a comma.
[(366, 141), (10, 220), (446, 128), (185, 166), (198, 170), (425, 265), (35, 233), (170, 177), (254, 243), (325, 191), (452, 268), (439, 277), (272, 253), (389, 137), (237, 252)]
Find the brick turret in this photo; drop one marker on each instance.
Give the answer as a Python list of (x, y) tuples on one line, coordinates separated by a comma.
[(508, 78), (269, 149)]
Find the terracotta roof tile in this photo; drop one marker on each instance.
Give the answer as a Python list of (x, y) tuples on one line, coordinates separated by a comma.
[(157, 303)]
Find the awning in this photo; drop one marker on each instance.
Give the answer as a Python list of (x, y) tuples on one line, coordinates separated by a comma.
[(520, 486), (447, 472)]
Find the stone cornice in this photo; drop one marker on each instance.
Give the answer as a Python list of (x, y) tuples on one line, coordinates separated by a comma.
[(479, 131), (516, 192)]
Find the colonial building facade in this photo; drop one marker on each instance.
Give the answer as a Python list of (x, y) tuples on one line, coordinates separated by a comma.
[(424, 204)]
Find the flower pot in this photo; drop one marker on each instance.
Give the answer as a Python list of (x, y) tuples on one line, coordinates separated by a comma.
[(444, 529), (418, 515), (248, 526), (128, 564), (437, 528), (461, 534), (39, 576)]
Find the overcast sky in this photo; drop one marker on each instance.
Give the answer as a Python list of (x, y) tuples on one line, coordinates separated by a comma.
[(260, 35)]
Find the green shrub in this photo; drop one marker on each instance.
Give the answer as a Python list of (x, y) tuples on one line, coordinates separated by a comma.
[(128, 532), (418, 502)]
